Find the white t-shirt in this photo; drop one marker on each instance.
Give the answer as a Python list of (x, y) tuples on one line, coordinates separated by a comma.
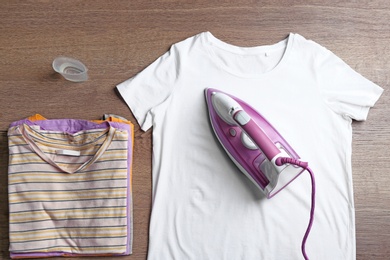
[(203, 206)]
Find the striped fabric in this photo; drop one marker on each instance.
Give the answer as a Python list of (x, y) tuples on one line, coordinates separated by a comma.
[(68, 192)]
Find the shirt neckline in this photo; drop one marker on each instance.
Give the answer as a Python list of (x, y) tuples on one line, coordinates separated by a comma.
[(210, 41), (28, 133)]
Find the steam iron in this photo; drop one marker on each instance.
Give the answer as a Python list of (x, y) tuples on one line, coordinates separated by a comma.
[(255, 146)]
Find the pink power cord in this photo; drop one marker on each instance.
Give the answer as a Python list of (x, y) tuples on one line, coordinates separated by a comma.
[(283, 160)]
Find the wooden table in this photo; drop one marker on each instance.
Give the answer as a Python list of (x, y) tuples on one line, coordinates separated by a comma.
[(116, 39)]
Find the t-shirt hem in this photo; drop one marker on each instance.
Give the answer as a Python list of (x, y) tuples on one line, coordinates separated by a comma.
[(133, 105), (375, 97)]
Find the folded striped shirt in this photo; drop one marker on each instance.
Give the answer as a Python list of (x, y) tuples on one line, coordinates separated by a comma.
[(70, 191)]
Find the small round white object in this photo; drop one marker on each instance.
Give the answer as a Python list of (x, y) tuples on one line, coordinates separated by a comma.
[(232, 132), (71, 69)]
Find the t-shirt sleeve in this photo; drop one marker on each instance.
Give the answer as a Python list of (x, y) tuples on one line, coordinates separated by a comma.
[(150, 88), (345, 91)]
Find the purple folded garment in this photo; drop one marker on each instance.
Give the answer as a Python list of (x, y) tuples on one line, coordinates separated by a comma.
[(72, 128)]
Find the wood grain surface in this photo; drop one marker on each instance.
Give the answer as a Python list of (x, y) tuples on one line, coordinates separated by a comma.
[(117, 39)]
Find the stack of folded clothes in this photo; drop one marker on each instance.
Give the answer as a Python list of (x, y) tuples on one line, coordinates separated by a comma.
[(70, 187)]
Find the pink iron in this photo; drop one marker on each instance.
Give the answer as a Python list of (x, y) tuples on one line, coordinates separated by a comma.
[(256, 147)]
